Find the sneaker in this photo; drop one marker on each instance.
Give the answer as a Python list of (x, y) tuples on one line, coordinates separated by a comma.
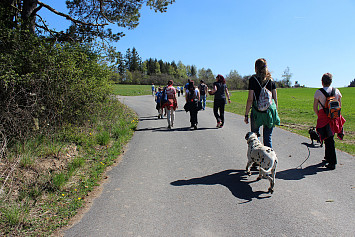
[(219, 124), (195, 127), (169, 127), (325, 161), (330, 166)]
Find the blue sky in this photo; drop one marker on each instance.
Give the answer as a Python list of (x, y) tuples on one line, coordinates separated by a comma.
[(311, 37)]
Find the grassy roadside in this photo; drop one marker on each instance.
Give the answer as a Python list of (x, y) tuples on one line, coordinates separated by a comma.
[(46, 179), (295, 109)]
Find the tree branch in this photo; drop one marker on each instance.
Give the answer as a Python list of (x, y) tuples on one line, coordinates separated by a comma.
[(45, 27), (77, 22), (102, 11)]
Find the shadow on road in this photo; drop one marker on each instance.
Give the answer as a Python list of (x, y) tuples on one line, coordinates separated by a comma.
[(299, 173), (174, 129), (231, 179), (148, 118)]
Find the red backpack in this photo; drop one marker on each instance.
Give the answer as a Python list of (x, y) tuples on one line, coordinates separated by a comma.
[(332, 106)]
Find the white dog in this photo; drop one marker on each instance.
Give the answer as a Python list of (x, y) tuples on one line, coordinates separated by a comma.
[(263, 156)]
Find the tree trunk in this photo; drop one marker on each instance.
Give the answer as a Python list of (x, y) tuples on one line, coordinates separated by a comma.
[(29, 19)]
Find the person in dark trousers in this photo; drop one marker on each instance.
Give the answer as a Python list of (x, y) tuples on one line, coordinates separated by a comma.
[(178, 90), (220, 92), (326, 126), (192, 97), (203, 88), (158, 97)]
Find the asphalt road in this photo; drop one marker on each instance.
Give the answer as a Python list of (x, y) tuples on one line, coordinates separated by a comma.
[(184, 182)]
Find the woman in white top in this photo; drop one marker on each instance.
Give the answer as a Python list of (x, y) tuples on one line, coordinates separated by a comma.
[(327, 127)]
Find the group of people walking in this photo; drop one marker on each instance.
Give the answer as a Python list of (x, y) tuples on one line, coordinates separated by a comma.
[(261, 108), (195, 98)]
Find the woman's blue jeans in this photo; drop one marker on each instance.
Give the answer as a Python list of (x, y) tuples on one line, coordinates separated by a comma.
[(267, 132)]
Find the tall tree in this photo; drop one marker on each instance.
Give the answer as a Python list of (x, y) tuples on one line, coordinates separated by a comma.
[(135, 61), (162, 66), (127, 59), (352, 84), (89, 18), (181, 70), (235, 81), (193, 71), (121, 65), (157, 67), (287, 77)]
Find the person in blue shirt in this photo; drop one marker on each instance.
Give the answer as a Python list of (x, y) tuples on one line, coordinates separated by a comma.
[(158, 97), (187, 85)]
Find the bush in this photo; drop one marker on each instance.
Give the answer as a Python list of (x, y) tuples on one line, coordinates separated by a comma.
[(44, 85)]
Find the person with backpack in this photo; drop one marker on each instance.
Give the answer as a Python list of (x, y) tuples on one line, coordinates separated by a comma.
[(186, 87), (327, 107), (170, 102), (192, 97), (220, 92), (203, 93), (262, 101), (158, 99)]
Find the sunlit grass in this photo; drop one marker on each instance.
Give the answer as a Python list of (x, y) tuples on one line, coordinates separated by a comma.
[(295, 109)]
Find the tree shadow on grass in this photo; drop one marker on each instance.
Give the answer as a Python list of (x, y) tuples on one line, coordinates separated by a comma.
[(231, 179)]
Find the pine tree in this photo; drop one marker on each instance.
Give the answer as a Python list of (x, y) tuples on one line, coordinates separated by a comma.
[(352, 84), (127, 59), (193, 71), (121, 65), (135, 61)]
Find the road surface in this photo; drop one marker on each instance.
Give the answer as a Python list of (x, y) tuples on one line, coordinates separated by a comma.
[(184, 182)]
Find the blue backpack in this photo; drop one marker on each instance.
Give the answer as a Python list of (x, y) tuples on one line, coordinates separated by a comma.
[(159, 96), (164, 97)]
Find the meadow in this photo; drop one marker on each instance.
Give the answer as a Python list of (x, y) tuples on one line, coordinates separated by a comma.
[(295, 109)]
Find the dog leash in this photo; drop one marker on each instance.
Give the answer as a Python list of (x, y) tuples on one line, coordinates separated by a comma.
[(309, 154)]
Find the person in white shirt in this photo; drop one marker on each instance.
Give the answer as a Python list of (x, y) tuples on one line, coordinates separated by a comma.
[(327, 127)]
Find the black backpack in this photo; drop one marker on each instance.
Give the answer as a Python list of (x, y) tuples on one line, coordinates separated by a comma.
[(202, 90), (192, 97)]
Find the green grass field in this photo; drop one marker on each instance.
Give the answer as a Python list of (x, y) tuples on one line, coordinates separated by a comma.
[(132, 90), (295, 109)]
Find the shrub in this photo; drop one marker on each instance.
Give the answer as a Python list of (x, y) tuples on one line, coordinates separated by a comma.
[(44, 85)]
